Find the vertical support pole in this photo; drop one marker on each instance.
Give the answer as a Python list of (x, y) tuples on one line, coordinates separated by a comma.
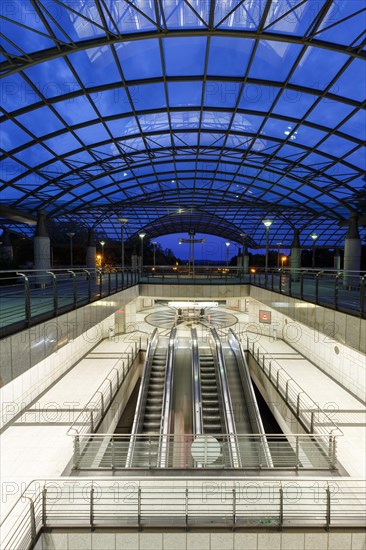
[(234, 507), (88, 276), (186, 506), (32, 520), (312, 422), (328, 518), (44, 507), (139, 508), (281, 510), (76, 451), (297, 453), (27, 302), (54, 292), (91, 509), (109, 283), (74, 288), (113, 454)]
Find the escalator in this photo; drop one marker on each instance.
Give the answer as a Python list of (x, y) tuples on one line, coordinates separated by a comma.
[(211, 411), (149, 443), (154, 400)]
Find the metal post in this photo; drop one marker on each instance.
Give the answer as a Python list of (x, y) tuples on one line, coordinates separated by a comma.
[(44, 504), (113, 457), (54, 292), (312, 422), (302, 285), (297, 453), (91, 421), (32, 519), (27, 302), (139, 508), (362, 296), (336, 291), (234, 507), (281, 510), (74, 286), (91, 510), (186, 506), (88, 276), (109, 283), (328, 518), (76, 451)]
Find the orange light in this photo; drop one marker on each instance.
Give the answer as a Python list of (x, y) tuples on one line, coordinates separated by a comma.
[(252, 270), (284, 258), (99, 257), (153, 269)]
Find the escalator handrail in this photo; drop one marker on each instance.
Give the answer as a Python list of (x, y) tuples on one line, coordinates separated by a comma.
[(249, 394), (196, 386), (141, 400), (166, 411), (226, 402)]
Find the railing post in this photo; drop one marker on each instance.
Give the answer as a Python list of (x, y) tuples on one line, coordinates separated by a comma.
[(54, 292), (302, 285), (113, 454), (186, 506), (32, 520), (312, 422), (76, 451), (91, 422), (109, 283), (91, 510), (362, 296), (286, 393), (336, 288), (27, 302), (317, 287), (281, 509), (110, 389), (139, 508), (297, 453), (334, 451), (100, 283), (298, 405), (74, 287), (88, 276), (234, 506), (328, 518), (44, 507)]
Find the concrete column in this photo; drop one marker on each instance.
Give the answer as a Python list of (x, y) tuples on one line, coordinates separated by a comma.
[(246, 261), (352, 253), (6, 247), (337, 259), (134, 260), (91, 251), (41, 243), (295, 260)]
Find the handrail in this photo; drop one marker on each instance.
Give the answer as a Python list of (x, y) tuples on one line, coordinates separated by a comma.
[(113, 378), (167, 401), (227, 406), (249, 395), (272, 369), (196, 386), (141, 400), (198, 501)]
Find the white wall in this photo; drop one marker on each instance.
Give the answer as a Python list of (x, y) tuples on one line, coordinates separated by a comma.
[(343, 363), (26, 387)]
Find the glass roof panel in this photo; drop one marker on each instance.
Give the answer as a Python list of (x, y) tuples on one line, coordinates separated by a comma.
[(185, 94), (41, 121), (16, 93), (356, 125), (140, 59), (229, 56), (34, 155), (291, 17), (335, 28), (12, 136), (328, 64), (352, 83), (294, 103), (148, 96), (95, 65), (52, 78), (258, 98), (76, 110), (274, 60), (185, 56), (221, 94), (234, 14), (112, 102), (329, 113)]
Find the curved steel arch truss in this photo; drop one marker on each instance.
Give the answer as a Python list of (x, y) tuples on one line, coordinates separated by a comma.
[(173, 113)]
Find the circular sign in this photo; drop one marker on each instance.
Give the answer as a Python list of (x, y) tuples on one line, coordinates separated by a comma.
[(205, 449)]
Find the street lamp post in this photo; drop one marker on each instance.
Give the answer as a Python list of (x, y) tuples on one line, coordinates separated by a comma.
[(123, 222), (227, 253), (102, 243), (278, 254), (71, 235), (243, 236), (142, 235), (283, 260), (267, 223), (154, 243), (314, 236)]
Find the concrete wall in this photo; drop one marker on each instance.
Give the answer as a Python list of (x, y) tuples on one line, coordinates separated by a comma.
[(23, 350), (320, 343), (187, 291), (220, 540), (340, 327)]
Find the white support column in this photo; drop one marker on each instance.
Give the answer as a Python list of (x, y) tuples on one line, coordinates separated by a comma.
[(295, 256), (42, 247), (6, 248), (91, 251), (352, 253)]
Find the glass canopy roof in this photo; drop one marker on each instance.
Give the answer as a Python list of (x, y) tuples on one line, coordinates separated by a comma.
[(179, 112)]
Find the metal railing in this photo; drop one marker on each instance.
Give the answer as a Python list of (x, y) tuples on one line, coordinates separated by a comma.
[(289, 451), (312, 417), (89, 419), (252, 502), (31, 296), (335, 289)]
